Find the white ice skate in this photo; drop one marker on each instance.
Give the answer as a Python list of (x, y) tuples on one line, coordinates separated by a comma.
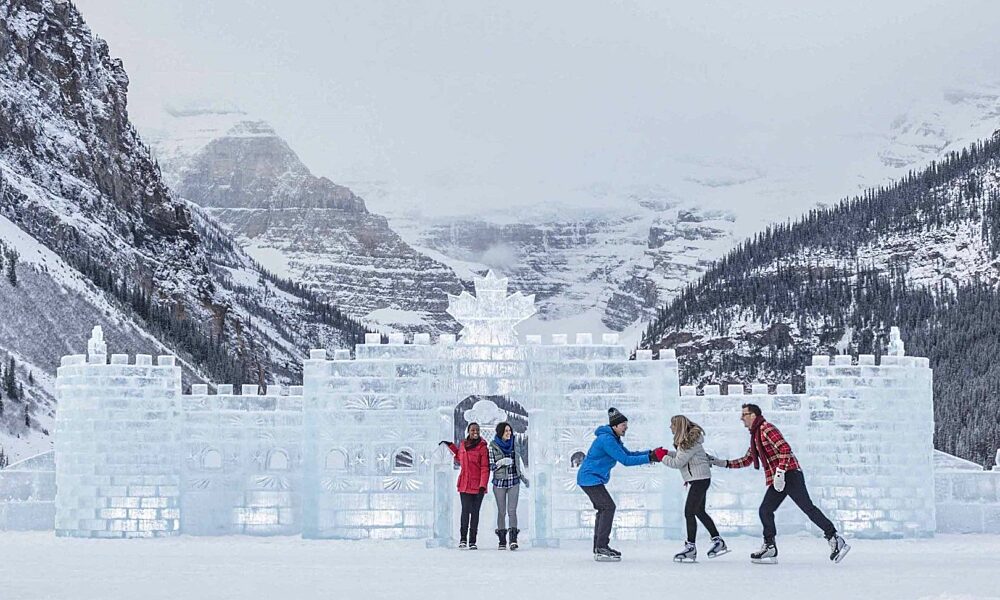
[(688, 555), (767, 555)]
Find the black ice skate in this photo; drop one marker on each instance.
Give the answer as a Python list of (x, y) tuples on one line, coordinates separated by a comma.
[(767, 555), (688, 555), (606, 555), (718, 548), (838, 548)]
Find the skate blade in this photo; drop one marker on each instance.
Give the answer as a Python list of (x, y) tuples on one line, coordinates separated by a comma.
[(678, 559), (719, 553), (608, 558), (765, 561), (842, 554)]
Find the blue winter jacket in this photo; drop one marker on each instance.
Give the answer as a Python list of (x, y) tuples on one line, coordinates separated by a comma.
[(606, 450)]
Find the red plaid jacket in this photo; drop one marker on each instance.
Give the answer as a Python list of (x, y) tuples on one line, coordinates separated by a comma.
[(777, 453)]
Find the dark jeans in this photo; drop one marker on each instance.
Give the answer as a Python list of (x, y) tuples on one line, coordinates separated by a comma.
[(795, 486), (471, 503), (695, 507), (605, 506)]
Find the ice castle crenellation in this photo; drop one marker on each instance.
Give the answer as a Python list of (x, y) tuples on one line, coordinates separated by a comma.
[(352, 453)]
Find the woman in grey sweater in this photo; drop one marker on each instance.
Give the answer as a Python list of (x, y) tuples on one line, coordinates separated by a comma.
[(690, 458)]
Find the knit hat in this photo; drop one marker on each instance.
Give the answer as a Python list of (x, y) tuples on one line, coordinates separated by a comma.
[(615, 417)]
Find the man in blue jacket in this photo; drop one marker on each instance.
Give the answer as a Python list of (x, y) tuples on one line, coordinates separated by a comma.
[(595, 471)]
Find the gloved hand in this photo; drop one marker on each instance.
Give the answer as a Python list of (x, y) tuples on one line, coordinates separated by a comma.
[(524, 480), (779, 480), (505, 462), (657, 454), (482, 491), (444, 443), (717, 462)]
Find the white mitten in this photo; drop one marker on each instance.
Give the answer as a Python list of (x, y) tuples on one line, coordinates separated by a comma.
[(505, 462), (779, 480)]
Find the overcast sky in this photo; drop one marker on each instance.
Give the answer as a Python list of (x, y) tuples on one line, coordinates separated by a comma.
[(565, 93)]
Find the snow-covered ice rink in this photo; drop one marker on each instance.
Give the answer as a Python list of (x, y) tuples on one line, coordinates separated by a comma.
[(39, 565)]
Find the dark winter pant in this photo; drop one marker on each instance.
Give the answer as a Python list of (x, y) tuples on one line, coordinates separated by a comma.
[(695, 507), (471, 503), (795, 486), (605, 506)]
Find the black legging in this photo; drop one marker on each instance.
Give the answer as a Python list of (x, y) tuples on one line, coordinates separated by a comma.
[(471, 503), (695, 507)]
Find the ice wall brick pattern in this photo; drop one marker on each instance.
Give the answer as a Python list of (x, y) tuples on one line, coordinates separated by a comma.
[(241, 461), (116, 445), (572, 386), (735, 495), (27, 494), (967, 497), (370, 431), (868, 444)]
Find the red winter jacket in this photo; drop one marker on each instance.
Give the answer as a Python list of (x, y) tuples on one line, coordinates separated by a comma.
[(475, 466)]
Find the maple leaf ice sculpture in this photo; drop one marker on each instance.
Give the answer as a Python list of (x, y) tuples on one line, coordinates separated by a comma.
[(489, 317)]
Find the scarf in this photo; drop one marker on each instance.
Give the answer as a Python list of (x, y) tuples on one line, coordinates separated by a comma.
[(506, 446), (472, 443), (756, 447)]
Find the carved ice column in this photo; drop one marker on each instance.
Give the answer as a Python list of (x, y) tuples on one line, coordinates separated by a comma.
[(542, 453), (444, 485)]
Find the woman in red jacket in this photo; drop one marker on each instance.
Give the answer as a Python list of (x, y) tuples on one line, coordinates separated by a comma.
[(474, 460)]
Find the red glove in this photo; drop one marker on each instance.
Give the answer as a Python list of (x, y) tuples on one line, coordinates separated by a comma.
[(660, 453)]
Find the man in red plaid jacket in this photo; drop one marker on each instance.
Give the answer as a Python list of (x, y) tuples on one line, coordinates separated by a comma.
[(783, 476)]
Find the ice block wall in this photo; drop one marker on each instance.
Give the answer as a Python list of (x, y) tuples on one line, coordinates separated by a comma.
[(371, 427), (735, 494), (869, 443), (116, 445), (573, 385), (241, 461), (967, 496), (27, 494)]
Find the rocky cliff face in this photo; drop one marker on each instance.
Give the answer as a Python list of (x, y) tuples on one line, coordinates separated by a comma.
[(305, 227), (93, 235)]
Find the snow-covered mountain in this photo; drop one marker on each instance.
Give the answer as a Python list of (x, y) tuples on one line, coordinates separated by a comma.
[(604, 257), (298, 225), (93, 236), (923, 254)]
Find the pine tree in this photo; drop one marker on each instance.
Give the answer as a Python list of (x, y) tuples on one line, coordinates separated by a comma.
[(12, 267)]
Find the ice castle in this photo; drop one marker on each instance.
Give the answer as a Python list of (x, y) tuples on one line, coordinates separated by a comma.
[(353, 452)]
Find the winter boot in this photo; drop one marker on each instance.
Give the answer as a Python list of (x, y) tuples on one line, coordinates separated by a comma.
[(513, 537), (718, 548), (688, 554), (605, 555), (472, 540), (838, 548), (767, 555), (462, 545), (502, 536)]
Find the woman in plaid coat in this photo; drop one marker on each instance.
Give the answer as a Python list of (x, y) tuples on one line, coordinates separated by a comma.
[(507, 478)]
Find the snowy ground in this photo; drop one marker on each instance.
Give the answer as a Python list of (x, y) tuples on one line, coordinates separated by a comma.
[(39, 565)]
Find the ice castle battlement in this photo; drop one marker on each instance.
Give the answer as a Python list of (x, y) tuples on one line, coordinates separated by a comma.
[(353, 452)]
